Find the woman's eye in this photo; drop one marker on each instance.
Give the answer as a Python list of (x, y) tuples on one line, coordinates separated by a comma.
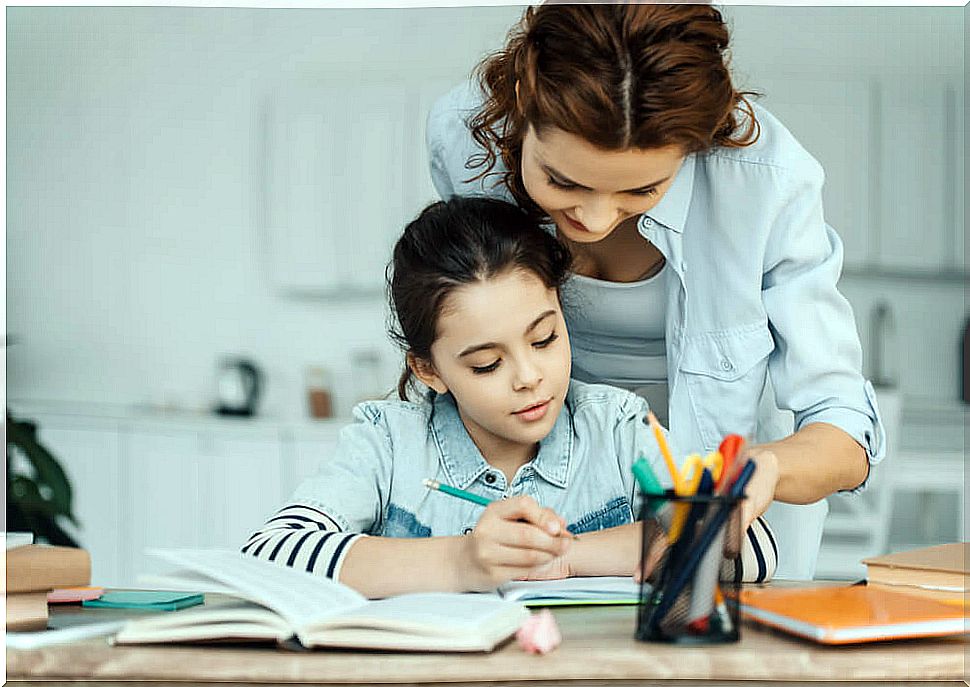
[(652, 191), (485, 369), (546, 341), (560, 184)]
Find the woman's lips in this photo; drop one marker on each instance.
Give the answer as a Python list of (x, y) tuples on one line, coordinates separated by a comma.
[(576, 223), (533, 413)]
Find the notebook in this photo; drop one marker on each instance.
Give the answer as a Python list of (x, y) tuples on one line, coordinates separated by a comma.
[(573, 591), (847, 615), (280, 604), (145, 600), (943, 568)]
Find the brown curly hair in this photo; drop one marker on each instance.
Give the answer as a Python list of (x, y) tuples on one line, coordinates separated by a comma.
[(617, 75)]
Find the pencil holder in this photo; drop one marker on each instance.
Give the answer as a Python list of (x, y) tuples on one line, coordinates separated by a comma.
[(683, 599)]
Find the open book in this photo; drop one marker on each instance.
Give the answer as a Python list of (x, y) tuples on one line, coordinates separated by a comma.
[(573, 591), (275, 603)]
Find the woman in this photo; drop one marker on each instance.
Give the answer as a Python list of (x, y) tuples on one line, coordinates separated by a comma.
[(705, 274)]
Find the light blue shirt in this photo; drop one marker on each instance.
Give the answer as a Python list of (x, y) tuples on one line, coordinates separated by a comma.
[(372, 483), (759, 340)]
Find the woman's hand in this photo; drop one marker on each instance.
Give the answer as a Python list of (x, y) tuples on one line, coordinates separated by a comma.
[(760, 491), (513, 539)]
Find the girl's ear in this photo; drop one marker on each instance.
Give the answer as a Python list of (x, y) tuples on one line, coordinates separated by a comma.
[(425, 372)]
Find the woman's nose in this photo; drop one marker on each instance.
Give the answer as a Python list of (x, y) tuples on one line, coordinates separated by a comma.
[(598, 216)]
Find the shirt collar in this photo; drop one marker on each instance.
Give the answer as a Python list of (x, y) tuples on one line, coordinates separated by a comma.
[(672, 209), (464, 463)]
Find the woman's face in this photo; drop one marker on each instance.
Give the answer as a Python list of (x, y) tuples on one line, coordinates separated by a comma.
[(588, 191)]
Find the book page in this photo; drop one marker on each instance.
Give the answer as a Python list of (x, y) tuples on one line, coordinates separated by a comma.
[(572, 589), (299, 597)]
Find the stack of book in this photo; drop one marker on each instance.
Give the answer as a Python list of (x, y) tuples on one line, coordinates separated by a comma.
[(34, 570), (939, 572)]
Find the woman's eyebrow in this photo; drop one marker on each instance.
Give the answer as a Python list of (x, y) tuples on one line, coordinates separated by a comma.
[(491, 344), (566, 180)]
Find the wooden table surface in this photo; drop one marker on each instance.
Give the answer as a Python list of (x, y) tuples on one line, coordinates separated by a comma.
[(598, 649)]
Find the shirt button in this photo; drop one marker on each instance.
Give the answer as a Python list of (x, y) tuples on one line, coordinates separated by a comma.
[(726, 365), (647, 222), (467, 530), (490, 478)]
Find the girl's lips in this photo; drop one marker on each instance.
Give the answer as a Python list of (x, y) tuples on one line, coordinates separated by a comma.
[(533, 413)]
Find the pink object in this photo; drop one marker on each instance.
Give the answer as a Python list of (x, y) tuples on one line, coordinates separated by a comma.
[(539, 633), (69, 595)]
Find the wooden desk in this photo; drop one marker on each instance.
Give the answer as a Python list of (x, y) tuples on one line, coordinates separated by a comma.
[(598, 649)]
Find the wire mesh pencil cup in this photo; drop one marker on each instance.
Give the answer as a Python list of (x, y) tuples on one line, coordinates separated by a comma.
[(684, 597)]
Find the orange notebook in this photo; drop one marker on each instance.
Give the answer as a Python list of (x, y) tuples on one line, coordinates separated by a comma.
[(848, 615)]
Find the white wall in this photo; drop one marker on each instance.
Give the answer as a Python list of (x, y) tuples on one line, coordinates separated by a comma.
[(135, 255)]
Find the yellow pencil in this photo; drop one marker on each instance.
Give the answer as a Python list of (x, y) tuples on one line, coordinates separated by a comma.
[(665, 451)]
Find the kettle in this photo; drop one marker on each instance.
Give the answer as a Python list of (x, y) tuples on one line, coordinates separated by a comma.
[(239, 385)]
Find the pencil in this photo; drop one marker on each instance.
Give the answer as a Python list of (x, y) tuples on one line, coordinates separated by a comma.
[(473, 498), (457, 493), (665, 451)]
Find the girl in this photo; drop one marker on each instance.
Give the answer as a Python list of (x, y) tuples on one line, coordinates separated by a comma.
[(475, 289), (706, 277)]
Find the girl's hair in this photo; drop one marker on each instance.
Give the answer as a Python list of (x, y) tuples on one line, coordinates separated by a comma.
[(456, 242), (617, 75)]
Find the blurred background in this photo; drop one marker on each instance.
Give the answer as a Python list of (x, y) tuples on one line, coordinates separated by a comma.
[(201, 201)]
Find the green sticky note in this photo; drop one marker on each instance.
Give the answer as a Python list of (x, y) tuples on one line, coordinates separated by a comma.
[(146, 600)]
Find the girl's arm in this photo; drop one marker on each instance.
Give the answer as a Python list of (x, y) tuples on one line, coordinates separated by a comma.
[(511, 538)]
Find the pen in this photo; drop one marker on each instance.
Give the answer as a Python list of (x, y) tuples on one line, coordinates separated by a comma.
[(685, 571), (468, 496), (664, 449)]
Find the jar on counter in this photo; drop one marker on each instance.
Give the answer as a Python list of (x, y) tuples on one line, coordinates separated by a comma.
[(319, 397)]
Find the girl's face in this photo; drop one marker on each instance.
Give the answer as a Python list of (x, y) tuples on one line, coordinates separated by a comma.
[(503, 353), (588, 191)]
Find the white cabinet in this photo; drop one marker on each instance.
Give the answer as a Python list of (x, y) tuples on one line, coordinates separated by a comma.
[(89, 453), (915, 171), (196, 488), (146, 482), (345, 168), (831, 118)]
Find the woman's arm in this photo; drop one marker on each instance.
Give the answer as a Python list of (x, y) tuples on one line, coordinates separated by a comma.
[(817, 460)]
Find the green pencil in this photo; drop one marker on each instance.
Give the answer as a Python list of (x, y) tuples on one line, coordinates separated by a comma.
[(474, 498), (457, 493)]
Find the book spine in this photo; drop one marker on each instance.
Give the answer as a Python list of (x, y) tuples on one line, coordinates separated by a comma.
[(41, 568)]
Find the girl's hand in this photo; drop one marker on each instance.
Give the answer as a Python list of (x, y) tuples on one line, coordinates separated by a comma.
[(513, 538), (761, 489)]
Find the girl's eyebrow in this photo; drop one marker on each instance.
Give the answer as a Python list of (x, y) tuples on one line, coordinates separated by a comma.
[(481, 347), (566, 180)]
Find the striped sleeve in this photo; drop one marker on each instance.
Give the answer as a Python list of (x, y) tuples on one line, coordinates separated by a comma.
[(302, 537), (759, 556)]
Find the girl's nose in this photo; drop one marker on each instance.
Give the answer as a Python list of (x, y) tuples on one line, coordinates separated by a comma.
[(527, 376)]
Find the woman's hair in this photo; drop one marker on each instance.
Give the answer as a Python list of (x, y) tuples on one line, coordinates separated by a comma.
[(456, 242), (620, 76)]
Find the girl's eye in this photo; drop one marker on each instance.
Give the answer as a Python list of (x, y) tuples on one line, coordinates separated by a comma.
[(485, 369), (560, 184), (652, 191), (546, 341)]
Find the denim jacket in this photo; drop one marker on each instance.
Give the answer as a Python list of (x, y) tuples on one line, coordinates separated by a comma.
[(759, 340), (372, 484)]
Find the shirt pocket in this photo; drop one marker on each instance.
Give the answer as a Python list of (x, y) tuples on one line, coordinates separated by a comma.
[(400, 522), (613, 513), (725, 373)]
